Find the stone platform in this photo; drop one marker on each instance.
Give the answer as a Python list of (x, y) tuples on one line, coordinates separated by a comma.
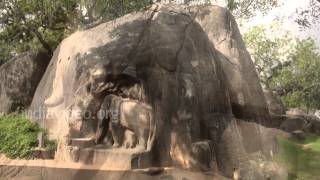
[(84, 151), (52, 173)]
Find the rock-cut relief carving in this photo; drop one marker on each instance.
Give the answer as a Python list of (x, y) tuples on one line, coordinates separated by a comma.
[(128, 119), (117, 109)]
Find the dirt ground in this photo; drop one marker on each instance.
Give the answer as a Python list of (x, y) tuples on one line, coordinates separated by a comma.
[(54, 170)]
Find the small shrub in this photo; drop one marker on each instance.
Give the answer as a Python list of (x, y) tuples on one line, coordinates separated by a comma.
[(19, 136), (51, 145)]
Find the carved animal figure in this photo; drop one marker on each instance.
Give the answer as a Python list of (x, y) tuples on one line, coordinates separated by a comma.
[(203, 154), (236, 174), (132, 122), (130, 139), (137, 117)]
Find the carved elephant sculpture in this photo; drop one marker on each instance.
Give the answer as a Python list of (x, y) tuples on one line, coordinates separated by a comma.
[(131, 121)]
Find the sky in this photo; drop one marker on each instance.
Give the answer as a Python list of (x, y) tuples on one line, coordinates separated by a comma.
[(287, 11)]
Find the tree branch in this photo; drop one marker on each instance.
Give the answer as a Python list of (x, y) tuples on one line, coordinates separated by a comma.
[(42, 41)]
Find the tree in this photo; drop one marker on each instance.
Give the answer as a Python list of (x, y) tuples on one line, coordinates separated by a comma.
[(241, 9), (269, 54), (245, 9), (310, 15), (42, 24), (33, 24), (94, 11), (299, 82), (290, 67)]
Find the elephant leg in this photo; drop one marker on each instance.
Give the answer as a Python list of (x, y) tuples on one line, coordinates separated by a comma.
[(142, 135), (130, 140), (117, 134), (103, 127)]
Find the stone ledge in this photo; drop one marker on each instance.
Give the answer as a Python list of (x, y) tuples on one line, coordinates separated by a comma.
[(82, 142), (124, 159), (42, 153)]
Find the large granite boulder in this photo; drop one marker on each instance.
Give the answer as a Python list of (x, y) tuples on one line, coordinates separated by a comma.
[(317, 114), (301, 121), (175, 79), (292, 124), (275, 105), (314, 124), (296, 112), (246, 96), (19, 78)]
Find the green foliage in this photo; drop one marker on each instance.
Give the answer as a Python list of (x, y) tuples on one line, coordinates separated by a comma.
[(301, 158), (289, 67), (269, 54), (96, 10), (309, 15), (51, 145), (299, 82), (245, 9), (18, 136), (33, 25), (42, 24)]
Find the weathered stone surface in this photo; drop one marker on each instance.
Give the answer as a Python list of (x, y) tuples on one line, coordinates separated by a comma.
[(124, 158), (188, 64), (298, 120), (246, 95), (275, 105), (296, 112), (19, 78), (294, 123), (42, 153), (56, 173), (82, 142), (317, 114), (266, 169), (132, 124), (269, 140), (314, 123), (266, 142), (117, 159)]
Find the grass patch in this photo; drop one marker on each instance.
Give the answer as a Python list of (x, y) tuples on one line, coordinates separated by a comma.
[(301, 158), (19, 136)]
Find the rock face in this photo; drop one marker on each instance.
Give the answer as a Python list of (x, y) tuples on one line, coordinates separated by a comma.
[(275, 105), (19, 79), (292, 124), (297, 120), (186, 69), (317, 114), (244, 89)]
